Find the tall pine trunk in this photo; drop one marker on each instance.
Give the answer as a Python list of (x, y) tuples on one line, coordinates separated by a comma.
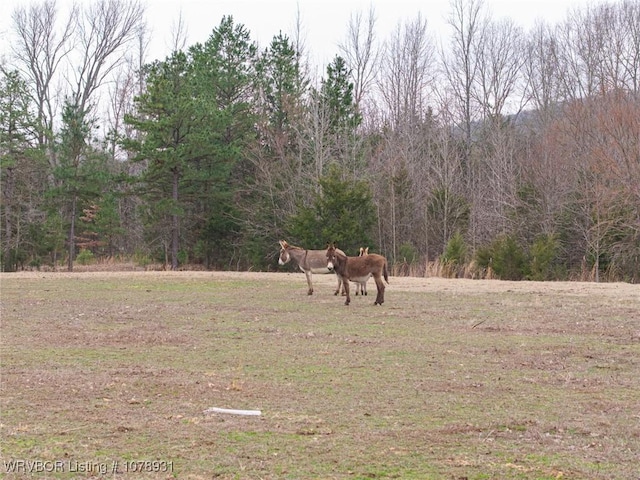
[(72, 233), (9, 251), (175, 237)]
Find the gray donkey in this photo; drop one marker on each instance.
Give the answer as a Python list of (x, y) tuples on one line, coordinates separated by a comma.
[(309, 261)]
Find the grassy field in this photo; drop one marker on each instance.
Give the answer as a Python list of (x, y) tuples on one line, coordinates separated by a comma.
[(111, 374)]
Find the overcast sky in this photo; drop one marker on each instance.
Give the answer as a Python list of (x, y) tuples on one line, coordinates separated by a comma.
[(324, 22)]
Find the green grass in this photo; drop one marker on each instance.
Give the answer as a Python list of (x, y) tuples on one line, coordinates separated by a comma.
[(440, 382)]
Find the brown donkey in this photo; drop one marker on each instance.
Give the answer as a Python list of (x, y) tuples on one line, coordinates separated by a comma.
[(358, 269)]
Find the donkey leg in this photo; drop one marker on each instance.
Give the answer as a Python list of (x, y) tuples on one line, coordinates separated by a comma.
[(339, 285), (380, 285), (308, 275), (345, 283)]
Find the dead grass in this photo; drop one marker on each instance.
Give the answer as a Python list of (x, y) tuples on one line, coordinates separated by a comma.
[(449, 379)]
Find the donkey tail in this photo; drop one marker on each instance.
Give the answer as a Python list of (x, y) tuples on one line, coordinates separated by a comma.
[(385, 272)]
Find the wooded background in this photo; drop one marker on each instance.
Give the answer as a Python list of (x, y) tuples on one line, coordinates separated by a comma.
[(492, 152)]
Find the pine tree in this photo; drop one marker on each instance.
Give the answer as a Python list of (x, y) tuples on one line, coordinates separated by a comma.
[(337, 96), (165, 121), (195, 121), (343, 212), (16, 155), (81, 173)]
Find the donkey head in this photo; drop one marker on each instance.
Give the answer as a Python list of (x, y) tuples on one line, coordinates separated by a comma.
[(332, 257), (284, 254)]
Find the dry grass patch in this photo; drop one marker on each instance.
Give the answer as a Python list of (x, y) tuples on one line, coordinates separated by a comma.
[(448, 379)]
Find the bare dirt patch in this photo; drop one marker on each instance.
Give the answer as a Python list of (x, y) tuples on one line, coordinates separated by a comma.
[(448, 379)]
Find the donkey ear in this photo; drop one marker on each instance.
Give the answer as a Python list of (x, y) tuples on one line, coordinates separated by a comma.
[(283, 244)]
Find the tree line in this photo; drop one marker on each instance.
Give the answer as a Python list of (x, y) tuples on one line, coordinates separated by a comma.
[(493, 152)]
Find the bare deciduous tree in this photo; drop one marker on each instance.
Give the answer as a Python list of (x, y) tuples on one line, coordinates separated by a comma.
[(629, 26), (461, 64), (406, 72), (360, 53), (120, 103), (500, 60), (105, 29), (314, 137), (404, 85), (39, 52), (127, 82), (541, 71), (446, 209), (578, 55), (179, 34), (500, 55)]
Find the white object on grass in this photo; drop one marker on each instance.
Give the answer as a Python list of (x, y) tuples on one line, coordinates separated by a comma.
[(232, 411)]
